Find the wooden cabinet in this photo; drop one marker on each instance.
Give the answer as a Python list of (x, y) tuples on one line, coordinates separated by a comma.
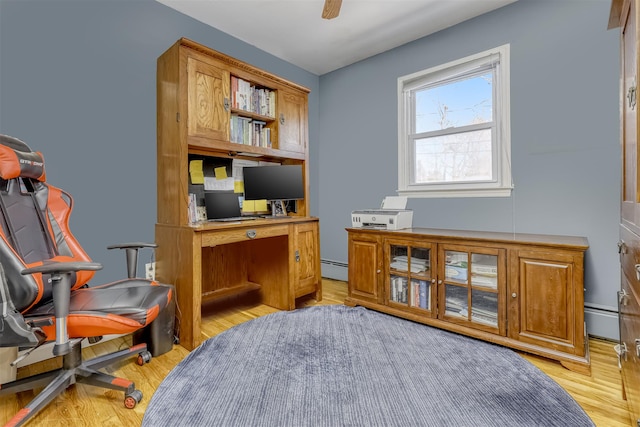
[(546, 300), (624, 14), (306, 241), (292, 127), (195, 105), (202, 96), (470, 286), (207, 89), (522, 291), (365, 267)]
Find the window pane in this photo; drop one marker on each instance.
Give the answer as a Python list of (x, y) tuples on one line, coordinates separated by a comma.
[(453, 104), (465, 156)]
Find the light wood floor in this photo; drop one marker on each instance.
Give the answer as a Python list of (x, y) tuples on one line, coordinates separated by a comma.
[(81, 405)]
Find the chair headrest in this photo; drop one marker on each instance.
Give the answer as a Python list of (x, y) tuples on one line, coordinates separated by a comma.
[(17, 160)]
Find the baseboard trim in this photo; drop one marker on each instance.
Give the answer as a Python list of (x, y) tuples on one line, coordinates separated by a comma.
[(335, 270), (602, 322)]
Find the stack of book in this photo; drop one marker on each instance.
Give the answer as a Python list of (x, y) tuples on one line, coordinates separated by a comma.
[(245, 96), (250, 132), (420, 294), (484, 275), (398, 291), (401, 263)]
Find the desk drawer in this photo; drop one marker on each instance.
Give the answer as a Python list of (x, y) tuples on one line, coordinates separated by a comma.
[(219, 237)]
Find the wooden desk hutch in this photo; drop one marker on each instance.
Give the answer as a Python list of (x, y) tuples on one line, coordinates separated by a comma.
[(207, 261)]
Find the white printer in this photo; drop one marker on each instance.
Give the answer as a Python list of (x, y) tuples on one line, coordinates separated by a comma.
[(391, 216)]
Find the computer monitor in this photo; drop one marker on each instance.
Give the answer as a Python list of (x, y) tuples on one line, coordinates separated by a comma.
[(282, 182)]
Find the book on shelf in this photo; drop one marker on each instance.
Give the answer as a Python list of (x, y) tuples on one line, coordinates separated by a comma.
[(249, 132), (420, 295), (248, 97), (193, 209), (398, 289)]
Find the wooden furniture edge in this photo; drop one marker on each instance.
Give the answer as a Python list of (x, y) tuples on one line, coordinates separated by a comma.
[(239, 64)]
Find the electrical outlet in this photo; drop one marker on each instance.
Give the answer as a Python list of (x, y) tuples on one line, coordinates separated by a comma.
[(150, 269)]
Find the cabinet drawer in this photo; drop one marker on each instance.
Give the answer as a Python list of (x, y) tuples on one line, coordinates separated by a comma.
[(214, 238), (630, 256), (629, 333)]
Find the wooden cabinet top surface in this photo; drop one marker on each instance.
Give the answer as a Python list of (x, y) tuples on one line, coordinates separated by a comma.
[(240, 65), (569, 242)]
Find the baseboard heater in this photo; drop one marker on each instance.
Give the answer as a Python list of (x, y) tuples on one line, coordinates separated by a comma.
[(334, 269)]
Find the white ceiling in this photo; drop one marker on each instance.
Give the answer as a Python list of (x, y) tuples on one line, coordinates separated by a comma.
[(294, 31)]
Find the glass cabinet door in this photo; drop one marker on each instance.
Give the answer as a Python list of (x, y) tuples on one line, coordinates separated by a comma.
[(469, 287), (410, 282)]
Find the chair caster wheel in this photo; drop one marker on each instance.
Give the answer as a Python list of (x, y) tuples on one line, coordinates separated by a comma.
[(144, 357), (132, 399)]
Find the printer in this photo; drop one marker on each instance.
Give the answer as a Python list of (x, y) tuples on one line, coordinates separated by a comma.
[(391, 216)]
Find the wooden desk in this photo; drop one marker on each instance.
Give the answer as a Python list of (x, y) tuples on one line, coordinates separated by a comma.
[(280, 258)]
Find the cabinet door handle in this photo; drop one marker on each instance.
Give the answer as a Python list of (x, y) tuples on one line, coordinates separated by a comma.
[(631, 96), (226, 104), (622, 353), (637, 266), (637, 342), (251, 234), (281, 118), (622, 297), (378, 271), (513, 295), (622, 247)]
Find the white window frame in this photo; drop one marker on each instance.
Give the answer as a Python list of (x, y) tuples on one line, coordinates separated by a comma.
[(501, 185)]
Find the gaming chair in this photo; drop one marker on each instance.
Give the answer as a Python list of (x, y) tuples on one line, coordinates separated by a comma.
[(44, 295)]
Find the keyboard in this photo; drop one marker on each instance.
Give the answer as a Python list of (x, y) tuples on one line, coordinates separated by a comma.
[(235, 218)]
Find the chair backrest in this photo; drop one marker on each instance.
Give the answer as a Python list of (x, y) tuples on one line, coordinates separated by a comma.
[(34, 224)]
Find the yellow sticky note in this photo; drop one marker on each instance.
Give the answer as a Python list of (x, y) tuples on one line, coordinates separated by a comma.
[(248, 206), (261, 205), (238, 187), (195, 171), (221, 172)]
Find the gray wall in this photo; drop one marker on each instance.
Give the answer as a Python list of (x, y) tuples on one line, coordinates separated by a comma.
[(78, 82), (564, 133)]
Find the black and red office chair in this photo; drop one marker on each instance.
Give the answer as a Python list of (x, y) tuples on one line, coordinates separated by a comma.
[(44, 294)]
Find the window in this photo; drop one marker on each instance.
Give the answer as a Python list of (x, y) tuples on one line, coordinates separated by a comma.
[(453, 128)]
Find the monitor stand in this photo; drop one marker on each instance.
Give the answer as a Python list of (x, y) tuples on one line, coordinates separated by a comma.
[(278, 208)]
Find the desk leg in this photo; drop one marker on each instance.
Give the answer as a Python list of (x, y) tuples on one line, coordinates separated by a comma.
[(179, 262)]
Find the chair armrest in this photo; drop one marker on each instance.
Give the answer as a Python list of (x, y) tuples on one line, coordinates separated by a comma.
[(133, 245), (59, 274), (62, 267), (132, 255)]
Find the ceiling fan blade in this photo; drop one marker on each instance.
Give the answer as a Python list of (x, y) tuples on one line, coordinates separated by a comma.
[(331, 9)]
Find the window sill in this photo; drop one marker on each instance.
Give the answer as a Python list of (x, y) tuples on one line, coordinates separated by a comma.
[(450, 193)]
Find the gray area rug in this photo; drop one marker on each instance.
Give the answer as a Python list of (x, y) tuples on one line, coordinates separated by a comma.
[(343, 366)]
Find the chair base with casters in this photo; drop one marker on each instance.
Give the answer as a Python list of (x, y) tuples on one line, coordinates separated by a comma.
[(75, 370)]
